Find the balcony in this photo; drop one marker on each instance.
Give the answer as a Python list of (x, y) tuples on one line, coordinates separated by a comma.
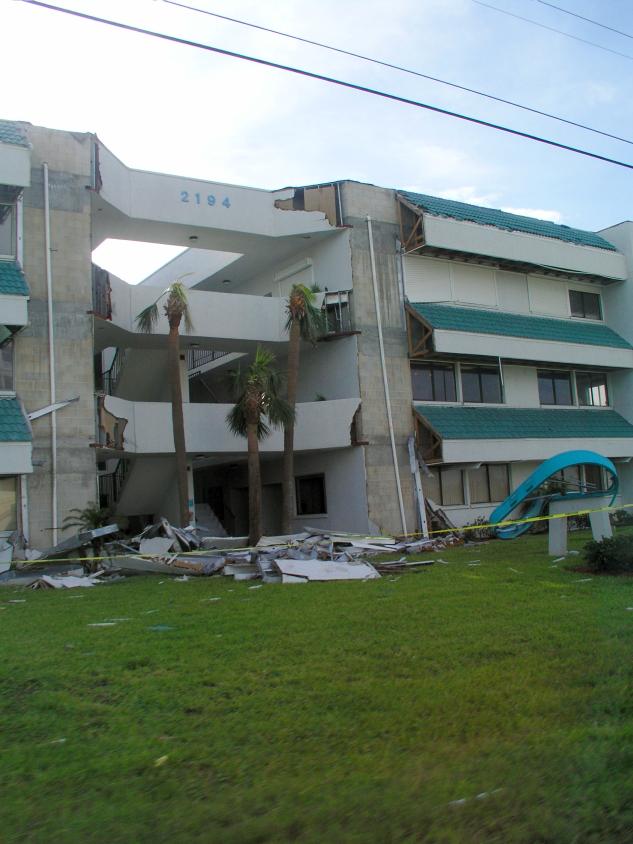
[(226, 321), (146, 428)]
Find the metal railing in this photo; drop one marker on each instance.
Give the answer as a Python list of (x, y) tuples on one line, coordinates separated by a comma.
[(112, 376), (197, 358), (111, 484), (339, 314)]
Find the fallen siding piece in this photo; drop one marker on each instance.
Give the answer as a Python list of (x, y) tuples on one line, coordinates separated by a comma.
[(325, 570), (158, 545), (45, 581)]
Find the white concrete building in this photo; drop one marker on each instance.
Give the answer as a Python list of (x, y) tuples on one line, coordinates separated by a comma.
[(498, 340)]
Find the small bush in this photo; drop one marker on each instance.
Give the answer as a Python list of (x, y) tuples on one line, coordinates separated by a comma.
[(620, 518), (477, 533), (614, 555)]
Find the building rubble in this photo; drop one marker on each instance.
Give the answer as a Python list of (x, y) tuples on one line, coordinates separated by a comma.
[(162, 548)]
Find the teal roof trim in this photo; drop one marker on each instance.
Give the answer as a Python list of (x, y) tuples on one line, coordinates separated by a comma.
[(12, 133), (481, 321), (12, 280), (13, 424), (504, 220), (513, 423)]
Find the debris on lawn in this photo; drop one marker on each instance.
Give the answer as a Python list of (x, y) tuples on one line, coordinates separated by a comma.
[(46, 581), (162, 548)]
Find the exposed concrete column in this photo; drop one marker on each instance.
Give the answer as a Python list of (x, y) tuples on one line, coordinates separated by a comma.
[(382, 496)]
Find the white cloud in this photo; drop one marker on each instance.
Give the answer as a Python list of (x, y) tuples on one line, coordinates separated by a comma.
[(538, 213)]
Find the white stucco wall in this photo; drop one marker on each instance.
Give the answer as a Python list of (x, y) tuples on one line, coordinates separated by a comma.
[(520, 246), (319, 425)]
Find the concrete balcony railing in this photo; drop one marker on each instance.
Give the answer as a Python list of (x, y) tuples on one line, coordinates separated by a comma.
[(146, 428), (227, 321)]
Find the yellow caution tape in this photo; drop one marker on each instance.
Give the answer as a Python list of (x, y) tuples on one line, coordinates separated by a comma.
[(212, 551)]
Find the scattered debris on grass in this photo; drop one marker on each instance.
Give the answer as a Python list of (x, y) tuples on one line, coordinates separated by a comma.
[(162, 548)]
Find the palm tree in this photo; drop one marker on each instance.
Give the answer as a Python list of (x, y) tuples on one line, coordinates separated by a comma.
[(305, 322), (176, 310), (257, 391)]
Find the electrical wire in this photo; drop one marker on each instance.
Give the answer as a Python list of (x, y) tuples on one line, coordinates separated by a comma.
[(330, 79), (582, 18), (400, 68), (553, 29)]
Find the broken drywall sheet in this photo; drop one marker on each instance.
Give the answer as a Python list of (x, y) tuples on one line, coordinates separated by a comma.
[(321, 570)]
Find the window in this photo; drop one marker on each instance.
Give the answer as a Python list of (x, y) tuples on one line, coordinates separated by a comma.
[(554, 387), (446, 487), (591, 388), (491, 482), (585, 305), (481, 384), (433, 382), (310, 493), (8, 504), (8, 239), (594, 480), (6, 367)]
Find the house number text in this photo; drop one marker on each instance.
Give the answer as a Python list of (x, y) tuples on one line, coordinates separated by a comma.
[(203, 199)]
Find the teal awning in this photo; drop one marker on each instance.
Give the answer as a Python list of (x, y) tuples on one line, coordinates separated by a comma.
[(12, 280), (14, 426), (465, 212), (502, 423), (482, 321)]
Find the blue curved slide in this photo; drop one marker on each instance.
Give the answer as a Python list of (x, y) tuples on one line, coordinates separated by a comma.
[(535, 505)]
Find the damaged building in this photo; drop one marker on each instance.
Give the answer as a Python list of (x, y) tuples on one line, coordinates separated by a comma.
[(494, 340)]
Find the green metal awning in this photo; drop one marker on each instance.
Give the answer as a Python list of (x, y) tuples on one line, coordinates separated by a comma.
[(14, 426), (504, 220), (500, 423), (12, 280), (482, 321)]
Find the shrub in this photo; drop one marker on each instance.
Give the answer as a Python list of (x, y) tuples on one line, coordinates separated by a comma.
[(477, 533), (619, 518), (613, 555)]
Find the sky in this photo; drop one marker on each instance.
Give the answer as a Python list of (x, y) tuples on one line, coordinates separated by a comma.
[(170, 108)]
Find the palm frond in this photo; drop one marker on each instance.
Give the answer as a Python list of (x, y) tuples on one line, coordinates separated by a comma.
[(280, 413), (236, 420), (147, 319), (301, 308), (178, 301)]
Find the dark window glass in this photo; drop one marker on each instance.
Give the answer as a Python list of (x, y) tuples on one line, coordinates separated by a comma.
[(592, 389), (489, 483), (481, 384), (554, 387), (6, 366), (433, 382), (7, 231), (594, 478), (585, 305), (499, 481), (445, 487), (310, 491), (452, 482)]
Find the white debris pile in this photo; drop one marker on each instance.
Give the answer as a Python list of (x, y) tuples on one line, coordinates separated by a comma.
[(162, 548)]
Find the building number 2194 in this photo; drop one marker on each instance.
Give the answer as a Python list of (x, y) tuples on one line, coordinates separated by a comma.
[(199, 199)]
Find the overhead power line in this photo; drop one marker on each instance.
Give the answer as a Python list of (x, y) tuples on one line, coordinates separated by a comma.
[(330, 79), (553, 29), (583, 18), (382, 63)]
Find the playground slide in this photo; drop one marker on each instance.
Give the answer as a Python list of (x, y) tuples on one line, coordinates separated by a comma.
[(535, 504)]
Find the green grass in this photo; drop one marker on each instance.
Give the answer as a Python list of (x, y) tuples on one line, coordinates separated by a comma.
[(324, 713)]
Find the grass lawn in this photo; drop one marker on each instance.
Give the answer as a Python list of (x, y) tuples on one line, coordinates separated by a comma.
[(361, 712)]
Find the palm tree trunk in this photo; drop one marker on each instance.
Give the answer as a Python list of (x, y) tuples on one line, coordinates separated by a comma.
[(254, 486), (287, 477), (173, 368)]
